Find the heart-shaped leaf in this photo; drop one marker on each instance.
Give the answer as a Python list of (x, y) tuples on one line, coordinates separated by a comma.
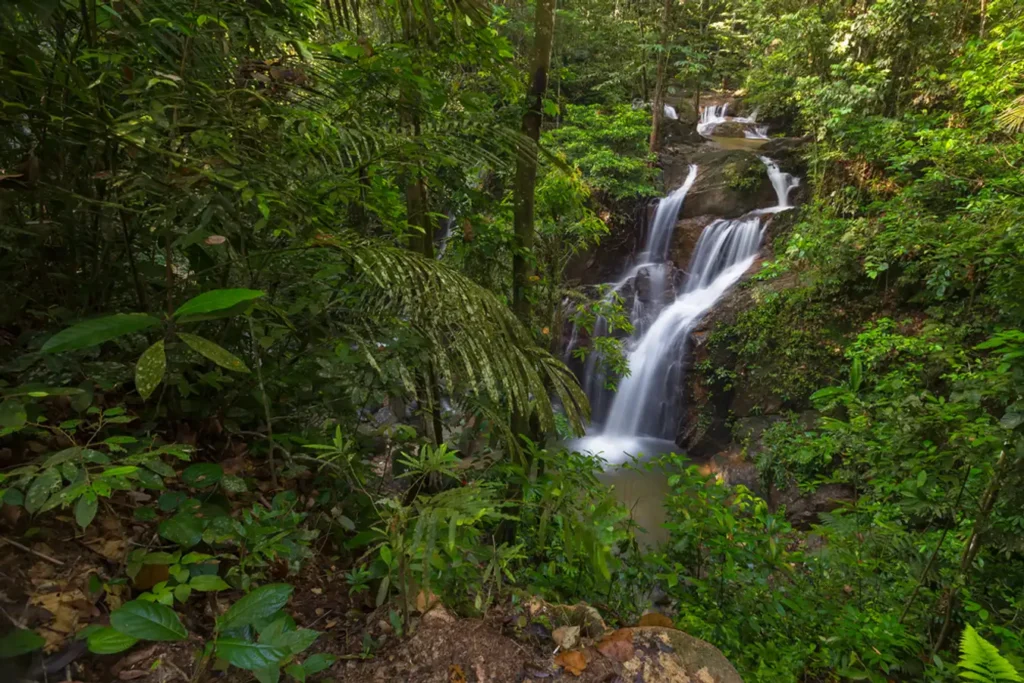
[(148, 621), (18, 642), (184, 528)]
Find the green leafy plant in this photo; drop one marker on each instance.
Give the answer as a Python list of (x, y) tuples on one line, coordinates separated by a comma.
[(980, 660), (82, 475), (152, 364)]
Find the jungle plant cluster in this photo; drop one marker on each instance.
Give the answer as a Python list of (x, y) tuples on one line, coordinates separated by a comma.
[(892, 310)]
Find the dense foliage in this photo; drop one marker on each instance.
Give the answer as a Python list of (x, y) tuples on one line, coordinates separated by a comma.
[(258, 271)]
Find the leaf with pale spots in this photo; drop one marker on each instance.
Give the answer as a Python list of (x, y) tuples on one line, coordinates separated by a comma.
[(150, 369), (211, 351)]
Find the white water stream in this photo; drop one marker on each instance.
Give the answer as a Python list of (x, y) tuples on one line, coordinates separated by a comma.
[(645, 409)]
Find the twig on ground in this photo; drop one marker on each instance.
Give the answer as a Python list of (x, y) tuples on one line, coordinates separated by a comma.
[(34, 552)]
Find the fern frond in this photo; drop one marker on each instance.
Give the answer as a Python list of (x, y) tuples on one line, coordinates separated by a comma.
[(980, 661)]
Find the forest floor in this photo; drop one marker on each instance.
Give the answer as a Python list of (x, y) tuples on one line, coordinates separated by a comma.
[(60, 579)]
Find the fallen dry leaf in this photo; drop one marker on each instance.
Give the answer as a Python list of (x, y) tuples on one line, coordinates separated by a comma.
[(535, 605), (110, 548), (61, 605), (316, 591), (618, 645), (330, 624), (656, 619), (456, 674), (572, 661), (425, 600), (566, 637)]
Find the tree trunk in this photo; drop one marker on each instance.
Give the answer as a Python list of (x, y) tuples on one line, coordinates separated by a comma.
[(658, 106), (984, 13), (526, 162)]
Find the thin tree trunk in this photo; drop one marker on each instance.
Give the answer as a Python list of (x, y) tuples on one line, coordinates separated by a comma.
[(526, 163), (988, 503), (658, 106), (984, 12)]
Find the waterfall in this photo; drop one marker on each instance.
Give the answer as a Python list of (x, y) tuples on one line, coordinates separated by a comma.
[(759, 133), (783, 182), (648, 401), (711, 116), (650, 262), (670, 112)]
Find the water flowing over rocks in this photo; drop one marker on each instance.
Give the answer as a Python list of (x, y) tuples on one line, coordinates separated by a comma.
[(730, 191)]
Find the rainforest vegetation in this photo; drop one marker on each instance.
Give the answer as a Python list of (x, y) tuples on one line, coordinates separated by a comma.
[(286, 288)]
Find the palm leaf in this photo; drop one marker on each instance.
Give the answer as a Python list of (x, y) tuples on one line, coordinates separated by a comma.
[(1012, 120)]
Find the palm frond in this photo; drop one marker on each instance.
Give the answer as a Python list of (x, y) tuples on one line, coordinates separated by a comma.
[(472, 338), (1012, 120)]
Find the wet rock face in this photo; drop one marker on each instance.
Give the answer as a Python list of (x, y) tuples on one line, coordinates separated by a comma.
[(788, 153), (730, 183)]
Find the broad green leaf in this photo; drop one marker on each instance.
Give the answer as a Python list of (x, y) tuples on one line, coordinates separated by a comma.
[(182, 592), (41, 489), (208, 583), (97, 331), (61, 457), (216, 300), (150, 369), (18, 642), (148, 621), (184, 528), (108, 641), (85, 509), (211, 351), (12, 414), (259, 604), (246, 654), (271, 674), (296, 672), (171, 500), (317, 663), (283, 634), (201, 475)]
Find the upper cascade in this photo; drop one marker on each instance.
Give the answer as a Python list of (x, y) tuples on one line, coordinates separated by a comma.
[(713, 116)]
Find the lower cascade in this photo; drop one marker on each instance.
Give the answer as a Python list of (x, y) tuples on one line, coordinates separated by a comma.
[(644, 411)]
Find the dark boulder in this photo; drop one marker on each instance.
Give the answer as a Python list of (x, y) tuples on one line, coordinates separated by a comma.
[(730, 183)]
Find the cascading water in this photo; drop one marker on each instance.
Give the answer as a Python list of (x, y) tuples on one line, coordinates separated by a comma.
[(710, 117), (647, 403), (652, 263), (759, 133), (670, 112)]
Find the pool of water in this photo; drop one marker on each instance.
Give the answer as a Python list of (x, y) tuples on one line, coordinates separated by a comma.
[(640, 489)]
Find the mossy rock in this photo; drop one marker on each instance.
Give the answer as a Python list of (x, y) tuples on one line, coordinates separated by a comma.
[(729, 183)]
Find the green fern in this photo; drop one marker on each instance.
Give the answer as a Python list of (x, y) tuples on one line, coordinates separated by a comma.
[(980, 661)]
